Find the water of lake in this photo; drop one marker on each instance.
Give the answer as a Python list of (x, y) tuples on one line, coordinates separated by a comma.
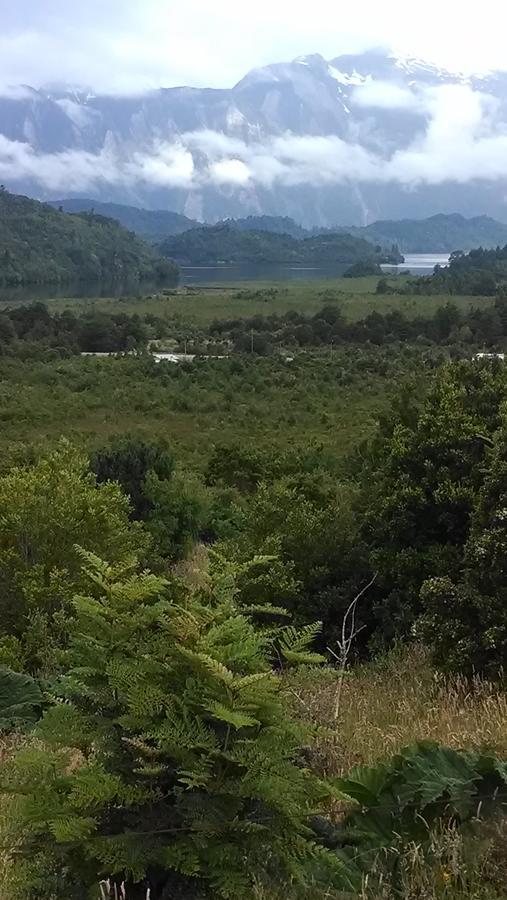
[(416, 263), (419, 263)]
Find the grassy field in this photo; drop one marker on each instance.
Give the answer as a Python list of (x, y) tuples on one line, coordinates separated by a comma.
[(391, 703), (200, 306)]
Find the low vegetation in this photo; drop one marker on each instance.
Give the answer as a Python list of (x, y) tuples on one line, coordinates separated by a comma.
[(253, 628)]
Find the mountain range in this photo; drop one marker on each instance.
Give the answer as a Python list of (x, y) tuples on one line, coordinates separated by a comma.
[(436, 234), (345, 141)]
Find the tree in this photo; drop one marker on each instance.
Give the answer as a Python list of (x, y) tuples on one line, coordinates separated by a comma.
[(169, 760), (306, 528), (129, 460), (421, 488), (474, 606), (45, 511)]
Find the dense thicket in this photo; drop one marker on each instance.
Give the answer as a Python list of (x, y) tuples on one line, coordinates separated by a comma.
[(449, 325), (39, 244)]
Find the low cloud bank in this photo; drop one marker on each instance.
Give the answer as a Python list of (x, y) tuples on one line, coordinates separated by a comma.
[(464, 139)]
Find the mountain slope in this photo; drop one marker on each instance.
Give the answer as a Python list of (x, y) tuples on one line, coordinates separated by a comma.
[(346, 141), (41, 245), (153, 225), (438, 234)]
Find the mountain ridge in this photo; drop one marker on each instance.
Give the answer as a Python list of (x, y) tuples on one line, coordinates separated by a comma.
[(323, 141), (437, 234)]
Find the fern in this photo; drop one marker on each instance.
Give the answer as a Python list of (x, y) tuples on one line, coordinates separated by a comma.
[(21, 700), (295, 644), (169, 751)]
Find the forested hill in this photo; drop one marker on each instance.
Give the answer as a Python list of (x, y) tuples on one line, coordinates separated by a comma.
[(39, 244), (438, 234), (276, 224), (224, 243), (151, 224)]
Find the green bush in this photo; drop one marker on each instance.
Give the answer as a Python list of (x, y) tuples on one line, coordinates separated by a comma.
[(168, 757)]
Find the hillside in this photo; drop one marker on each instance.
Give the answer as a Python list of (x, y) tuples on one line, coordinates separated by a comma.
[(224, 243), (39, 244), (151, 224), (438, 234)]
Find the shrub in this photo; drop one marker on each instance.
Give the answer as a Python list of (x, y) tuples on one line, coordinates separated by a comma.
[(169, 758)]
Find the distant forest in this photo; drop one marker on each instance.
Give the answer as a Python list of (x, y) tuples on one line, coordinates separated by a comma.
[(224, 243), (480, 273), (39, 245), (437, 234)]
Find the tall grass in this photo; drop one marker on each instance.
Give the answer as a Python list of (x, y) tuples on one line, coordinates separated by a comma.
[(394, 702)]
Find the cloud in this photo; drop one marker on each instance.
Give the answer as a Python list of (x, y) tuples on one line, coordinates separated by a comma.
[(464, 139), (15, 92), (124, 46), (383, 95), (230, 171)]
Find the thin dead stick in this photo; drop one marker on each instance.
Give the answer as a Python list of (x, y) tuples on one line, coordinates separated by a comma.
[(349, 634)]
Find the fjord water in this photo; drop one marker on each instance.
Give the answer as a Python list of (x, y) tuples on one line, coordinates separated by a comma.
[(416, 263)]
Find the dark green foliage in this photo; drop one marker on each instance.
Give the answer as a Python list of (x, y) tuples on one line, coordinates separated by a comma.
[(225, 243), (174, 753), (45, 510), (21, 700), (423, 787), (31, 330), (362, 268), (479, 327), (39, 244), (175, 507), (481, 273), (129, 460), (423, 483), (474, 606), (274, 224), (305, 529)]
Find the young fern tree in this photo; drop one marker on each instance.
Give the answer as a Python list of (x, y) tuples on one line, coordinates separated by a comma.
[(168, 759)]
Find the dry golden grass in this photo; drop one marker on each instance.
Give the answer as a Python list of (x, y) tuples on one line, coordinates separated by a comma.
[(388, 705)]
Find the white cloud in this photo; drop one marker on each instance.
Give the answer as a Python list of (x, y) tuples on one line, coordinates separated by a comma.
[(127, 46), (229, 171), (383, 95), (463, 140)]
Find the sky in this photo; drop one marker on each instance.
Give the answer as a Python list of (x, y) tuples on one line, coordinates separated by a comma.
[(127, 46)]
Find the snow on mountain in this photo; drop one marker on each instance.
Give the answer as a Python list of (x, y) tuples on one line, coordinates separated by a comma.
[(352, 139)]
